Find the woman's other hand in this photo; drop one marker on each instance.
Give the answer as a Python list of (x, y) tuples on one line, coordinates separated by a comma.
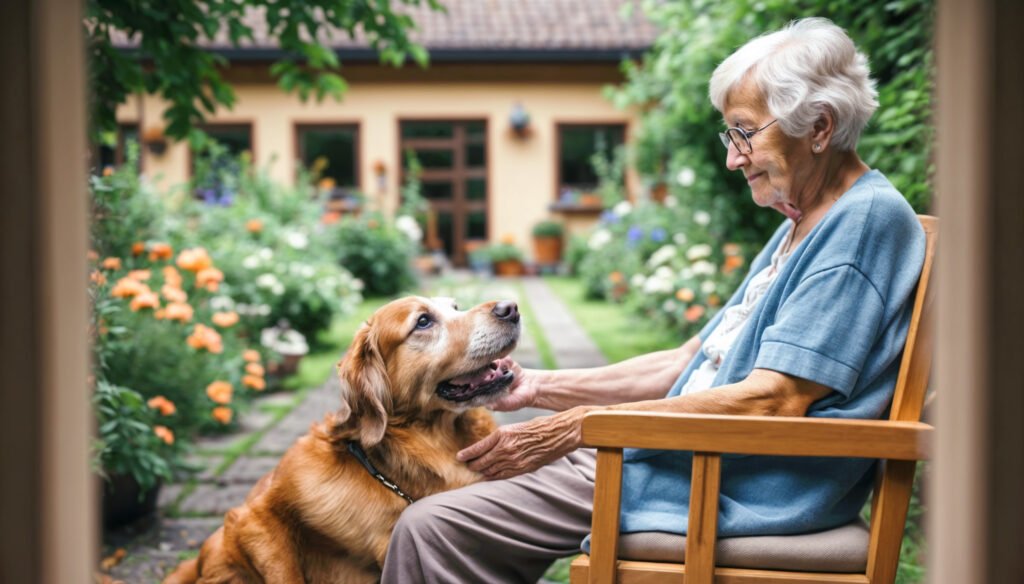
[(524, 447)]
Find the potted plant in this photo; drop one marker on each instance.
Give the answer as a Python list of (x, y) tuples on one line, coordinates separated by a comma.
[(154, 139), (506, 258), (288, 343), (132, 453), (547, 242)]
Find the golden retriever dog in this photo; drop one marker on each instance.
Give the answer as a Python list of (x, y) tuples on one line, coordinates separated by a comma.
[(413, 381)]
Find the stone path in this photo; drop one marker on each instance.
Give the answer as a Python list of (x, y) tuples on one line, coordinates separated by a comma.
[(190, 511)]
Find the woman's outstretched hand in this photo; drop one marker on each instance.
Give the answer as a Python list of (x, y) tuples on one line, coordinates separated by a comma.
[(524, 447), (523, 391)]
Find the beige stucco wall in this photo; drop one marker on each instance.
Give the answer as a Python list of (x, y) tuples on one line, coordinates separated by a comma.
[(521, 173)]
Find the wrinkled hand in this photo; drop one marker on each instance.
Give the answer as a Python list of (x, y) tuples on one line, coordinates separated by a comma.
[(524, 447), (522, 393)]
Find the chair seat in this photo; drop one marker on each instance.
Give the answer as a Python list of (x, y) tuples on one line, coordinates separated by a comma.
[(843, 549)]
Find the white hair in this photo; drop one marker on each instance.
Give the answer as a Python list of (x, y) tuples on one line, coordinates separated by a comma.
[(806, 67)]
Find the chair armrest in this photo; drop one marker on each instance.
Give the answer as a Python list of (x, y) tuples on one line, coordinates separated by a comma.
[(764, 435)]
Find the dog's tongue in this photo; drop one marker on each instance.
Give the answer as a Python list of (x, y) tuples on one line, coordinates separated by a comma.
[(480, 377)]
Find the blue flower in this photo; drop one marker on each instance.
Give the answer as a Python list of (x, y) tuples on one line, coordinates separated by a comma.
[(609, 217), (634, 235), (658, 234)]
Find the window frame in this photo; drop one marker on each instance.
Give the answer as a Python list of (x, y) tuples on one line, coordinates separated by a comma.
[(560, 126)]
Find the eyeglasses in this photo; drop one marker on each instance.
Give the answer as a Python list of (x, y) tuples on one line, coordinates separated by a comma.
[(740, 138)]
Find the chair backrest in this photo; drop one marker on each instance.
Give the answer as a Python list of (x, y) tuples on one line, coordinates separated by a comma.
[(896, 478)]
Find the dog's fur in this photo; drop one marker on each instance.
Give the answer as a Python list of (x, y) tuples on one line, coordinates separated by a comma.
[(319, 516)]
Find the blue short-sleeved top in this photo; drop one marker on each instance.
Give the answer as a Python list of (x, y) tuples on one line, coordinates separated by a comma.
[(837, 315)]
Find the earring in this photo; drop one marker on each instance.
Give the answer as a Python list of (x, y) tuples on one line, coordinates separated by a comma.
[(817, 148)]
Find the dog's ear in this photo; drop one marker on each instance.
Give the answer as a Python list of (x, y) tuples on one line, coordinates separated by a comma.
[(365, 391)]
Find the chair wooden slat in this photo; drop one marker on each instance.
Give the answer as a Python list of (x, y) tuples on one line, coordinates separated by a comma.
[(604, 540), (702, 524)]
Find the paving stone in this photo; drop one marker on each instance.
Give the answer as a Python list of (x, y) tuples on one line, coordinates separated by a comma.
[(168, 495), (274, 400), (249, 469), (569, 343), (254, 420), (213, 499), (145, 566), (220, 443), (188, 532), (205, 463)]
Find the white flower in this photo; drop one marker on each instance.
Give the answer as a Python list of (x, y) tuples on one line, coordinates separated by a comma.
[(671, 202), (408, 225), (251, 262), (686, 177), (637, 280), (662, 255), (267, 280), (296, 239), (265, 253), (357, 284), (664, 272), (222, 303), (285, 342), (703, 268), (263, 310), (622, 208), (701, 217), (707, 286), (599, 239), (698, 251), (278, 289), (657, 285), (669, 306), (679, 238), (686, 273)]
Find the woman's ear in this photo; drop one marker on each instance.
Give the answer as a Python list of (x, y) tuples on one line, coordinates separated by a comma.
[(365, 390), (822, 130)]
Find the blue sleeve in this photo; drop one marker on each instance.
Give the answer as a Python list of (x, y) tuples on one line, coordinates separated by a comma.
[(825, 330)]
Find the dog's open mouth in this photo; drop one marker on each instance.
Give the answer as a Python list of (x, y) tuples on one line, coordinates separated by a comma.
[(484, 381)]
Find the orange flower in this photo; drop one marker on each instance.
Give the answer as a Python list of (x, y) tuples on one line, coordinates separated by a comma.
[(160, 251), (731, 249), (694, 313), (138, 248), (731, 263), (127, 288), (140, 275), (225, 319), (219, 392), (508, 238), (180, 311), (163, 404), (254, 369), (254, 382), (254, 225), (204, 337), (222, 414), (684, 295), (616, 277), (164, 433), (97, 277), (326, 183), (251, 355), (209, 278), (172, 277), (330, 218), (159, 314), (173, 293), (111, 263), (92, 256), (714, 300), (372, 223), (108, 171), (194, 259), (145, 299)]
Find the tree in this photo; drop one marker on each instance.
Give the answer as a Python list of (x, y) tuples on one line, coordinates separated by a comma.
[(168, 58)]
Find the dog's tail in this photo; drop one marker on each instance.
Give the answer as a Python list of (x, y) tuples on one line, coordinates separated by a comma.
[(187, 572)]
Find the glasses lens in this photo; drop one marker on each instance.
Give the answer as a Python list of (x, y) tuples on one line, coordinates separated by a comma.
[(739, 140), (725, 139)]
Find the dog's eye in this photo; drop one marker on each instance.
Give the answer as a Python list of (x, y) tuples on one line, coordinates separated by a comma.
[(424, 322)]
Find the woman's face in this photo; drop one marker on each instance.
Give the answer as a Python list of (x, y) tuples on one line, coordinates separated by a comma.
[(777, 162)]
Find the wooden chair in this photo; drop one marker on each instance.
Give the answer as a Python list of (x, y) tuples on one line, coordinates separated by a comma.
[(900, 441)]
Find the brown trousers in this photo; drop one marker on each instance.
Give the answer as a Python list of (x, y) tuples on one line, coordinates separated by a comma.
[(495, 531)]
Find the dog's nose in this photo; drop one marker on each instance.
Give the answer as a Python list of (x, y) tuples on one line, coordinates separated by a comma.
[(506, 310)]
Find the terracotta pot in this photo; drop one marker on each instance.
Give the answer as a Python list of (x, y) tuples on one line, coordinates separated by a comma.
[(508, 268), (659, 192), (547, 250), (590, 200), (289, 364), (124, 502)]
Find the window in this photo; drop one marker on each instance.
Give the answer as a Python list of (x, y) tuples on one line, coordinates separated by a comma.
[(114, 151), (331, 152), (235, 138), (215, 170), (577, 144)]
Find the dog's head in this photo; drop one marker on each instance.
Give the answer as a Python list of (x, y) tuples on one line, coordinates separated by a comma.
[(416, 356)]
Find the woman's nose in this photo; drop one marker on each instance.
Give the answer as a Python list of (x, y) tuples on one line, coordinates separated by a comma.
[(734, 160)]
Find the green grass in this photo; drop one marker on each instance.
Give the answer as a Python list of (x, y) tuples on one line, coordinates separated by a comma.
[(619, 333), (547, 356)]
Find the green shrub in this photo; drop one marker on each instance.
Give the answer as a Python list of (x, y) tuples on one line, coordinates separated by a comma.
[(548, 229), (503, 252), (375, 252)]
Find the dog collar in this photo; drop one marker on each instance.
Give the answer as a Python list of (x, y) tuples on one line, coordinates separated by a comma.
[(357, 451)]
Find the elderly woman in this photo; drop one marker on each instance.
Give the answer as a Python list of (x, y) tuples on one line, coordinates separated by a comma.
[(815, 329)]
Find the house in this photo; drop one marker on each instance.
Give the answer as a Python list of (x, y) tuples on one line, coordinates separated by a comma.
[(504, 120)]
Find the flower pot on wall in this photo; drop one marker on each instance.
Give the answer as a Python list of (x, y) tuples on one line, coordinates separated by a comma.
[(124, 501), (547, 250)]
